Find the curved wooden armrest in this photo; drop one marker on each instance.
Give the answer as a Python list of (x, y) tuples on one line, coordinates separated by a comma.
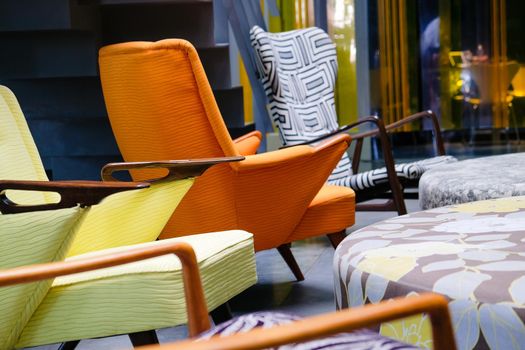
[(436, 129), (333, 323), (198, 320), (72, 193), (342, 129), (177, 169)]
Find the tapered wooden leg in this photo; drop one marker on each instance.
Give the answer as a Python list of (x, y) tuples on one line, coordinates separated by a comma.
[(336, 238), (287, 255), (399, 201), (221, 314), (70, 345), (144, 338)]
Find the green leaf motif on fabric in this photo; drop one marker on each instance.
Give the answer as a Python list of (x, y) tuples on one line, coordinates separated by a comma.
[(460, 285), (465, 320), (517, 290), (508, 265), (443, 265), (501, 327), (355, 289), (375, 288)]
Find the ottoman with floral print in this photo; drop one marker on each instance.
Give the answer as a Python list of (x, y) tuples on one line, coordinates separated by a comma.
[(473, 253)]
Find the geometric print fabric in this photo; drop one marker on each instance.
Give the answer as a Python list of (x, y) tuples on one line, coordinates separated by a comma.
[(298, 70)]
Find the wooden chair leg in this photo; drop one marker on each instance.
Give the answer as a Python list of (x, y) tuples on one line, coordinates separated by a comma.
[(70, 345), (399, 201), (287, 255), (144, 338), (221, 314), (336, 238)]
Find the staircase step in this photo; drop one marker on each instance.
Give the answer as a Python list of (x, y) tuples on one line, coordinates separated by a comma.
[(216, 62), (48, 15), (77, 168), (152, 21), (59, 98), (76, 137), (48, 54), (231, 104)]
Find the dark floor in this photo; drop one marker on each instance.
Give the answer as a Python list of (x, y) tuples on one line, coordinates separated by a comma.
[(276, 288)]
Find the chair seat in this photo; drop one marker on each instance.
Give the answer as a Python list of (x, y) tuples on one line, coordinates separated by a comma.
[(360, 340), (405, 171), (136, 297), (332, 210)]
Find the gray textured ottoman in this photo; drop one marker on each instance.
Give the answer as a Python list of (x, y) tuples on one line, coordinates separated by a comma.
[(473, 180)]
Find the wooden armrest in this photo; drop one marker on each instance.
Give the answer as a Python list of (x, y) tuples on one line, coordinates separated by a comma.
[(436, 129), (333, 323), (342, 129), (177, 169), (72, 193), (195, 303)]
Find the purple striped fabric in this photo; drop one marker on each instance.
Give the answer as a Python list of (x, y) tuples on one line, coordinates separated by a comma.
[(357, 340)]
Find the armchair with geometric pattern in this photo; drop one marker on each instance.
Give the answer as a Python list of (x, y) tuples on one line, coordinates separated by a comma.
[(298, 71)]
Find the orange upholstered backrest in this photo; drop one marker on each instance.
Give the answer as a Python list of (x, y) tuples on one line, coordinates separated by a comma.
[(160, 103)]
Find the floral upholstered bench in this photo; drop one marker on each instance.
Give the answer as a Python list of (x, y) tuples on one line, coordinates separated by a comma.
[(473, 254)]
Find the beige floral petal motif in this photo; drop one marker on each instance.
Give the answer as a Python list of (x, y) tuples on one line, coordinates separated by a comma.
[(390, 268), (501, 205)]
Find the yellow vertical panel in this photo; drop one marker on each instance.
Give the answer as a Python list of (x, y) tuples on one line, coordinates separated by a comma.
[(246, 92), (403, 52), (383, 56), (342, 30), (395, 62)]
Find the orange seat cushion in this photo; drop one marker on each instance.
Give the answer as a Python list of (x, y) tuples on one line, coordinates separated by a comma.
[(332, 210)]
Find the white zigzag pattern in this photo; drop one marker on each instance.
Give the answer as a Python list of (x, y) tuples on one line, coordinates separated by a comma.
[(298, 70)]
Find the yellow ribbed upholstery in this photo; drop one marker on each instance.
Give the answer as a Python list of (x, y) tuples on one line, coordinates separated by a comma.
[(31, 238), (122, 219), (136, 297), (18, 154), (141, 296), (130, 217)]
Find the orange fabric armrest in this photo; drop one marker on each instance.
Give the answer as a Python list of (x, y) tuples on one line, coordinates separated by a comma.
[(286, 155), (248, 144)]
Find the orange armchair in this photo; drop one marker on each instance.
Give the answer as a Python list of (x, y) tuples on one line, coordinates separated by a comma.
[(161, 106)]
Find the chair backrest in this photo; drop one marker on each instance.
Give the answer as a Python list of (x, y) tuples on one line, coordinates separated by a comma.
[(122, 219), (18, 153), (31, 238), (160, 103), (298, 70)]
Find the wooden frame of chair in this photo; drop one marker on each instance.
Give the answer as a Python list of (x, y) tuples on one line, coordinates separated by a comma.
[(394, 184), (436, 306), (87, 193), (198, 320)]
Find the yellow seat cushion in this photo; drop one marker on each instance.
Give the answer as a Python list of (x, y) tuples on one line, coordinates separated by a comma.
[(140, 296)]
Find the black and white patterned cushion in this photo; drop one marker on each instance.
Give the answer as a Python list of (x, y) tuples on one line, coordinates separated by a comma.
[(357, 340), (407, 171), (298, 70)]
